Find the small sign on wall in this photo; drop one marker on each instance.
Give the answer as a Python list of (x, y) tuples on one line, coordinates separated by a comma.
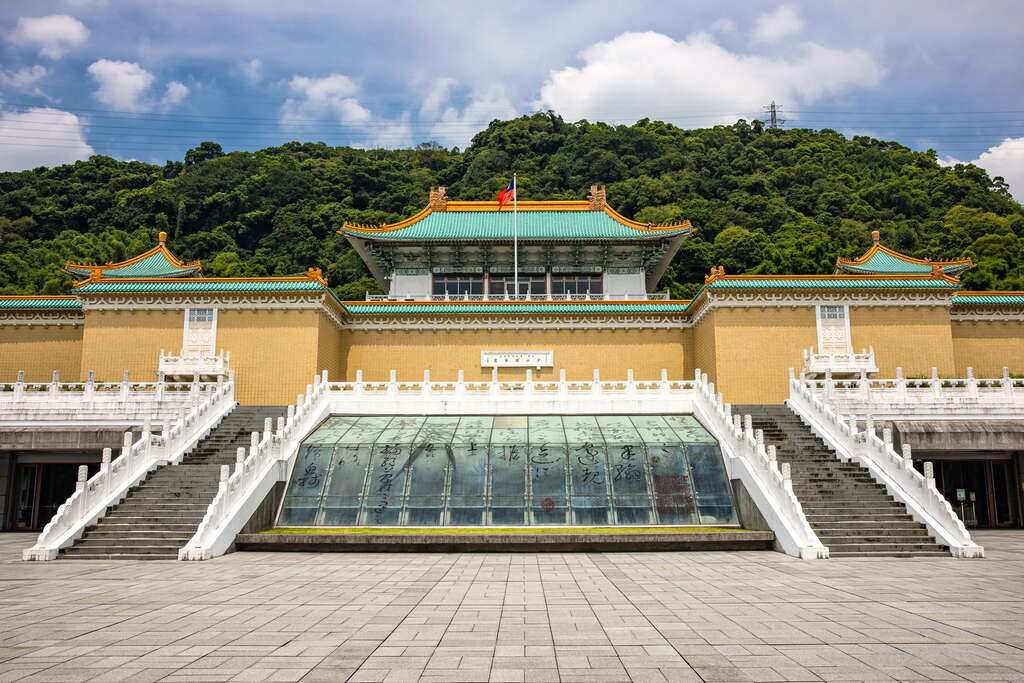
[(517, 359)]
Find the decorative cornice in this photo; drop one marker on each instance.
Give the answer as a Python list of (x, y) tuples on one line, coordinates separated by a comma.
[(516, 322), (42, 317), (321, 301), (987, 313)]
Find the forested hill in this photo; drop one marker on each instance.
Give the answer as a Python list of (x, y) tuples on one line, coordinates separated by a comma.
[(764, 200)]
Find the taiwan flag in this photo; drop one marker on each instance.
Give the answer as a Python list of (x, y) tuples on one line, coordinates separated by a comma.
[(507, 195)]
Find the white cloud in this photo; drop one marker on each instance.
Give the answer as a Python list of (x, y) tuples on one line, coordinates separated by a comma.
[(253, 70), (53, 35), (175, 93), (457, 128), (328, 96), (23, 79), (123, 85), (650, 74), (1005, 159), (781, 23), (41, 136)]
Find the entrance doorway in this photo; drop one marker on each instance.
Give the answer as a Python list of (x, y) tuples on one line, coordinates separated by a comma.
[(39, 489), (982, 492)]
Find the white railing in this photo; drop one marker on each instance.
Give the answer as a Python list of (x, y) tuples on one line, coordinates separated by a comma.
[(271, 454), (840, 363), (97, 403), (638, 296), (923, 398), (171, 364), (893, 470), (109, 486), (766, 480), (266, 463)]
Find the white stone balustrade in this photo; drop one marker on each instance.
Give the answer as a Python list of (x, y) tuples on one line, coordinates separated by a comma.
[(931, 398), (893, 470), (272, 452), (116, 477), (56, 403), (199, 365), (840, 363)]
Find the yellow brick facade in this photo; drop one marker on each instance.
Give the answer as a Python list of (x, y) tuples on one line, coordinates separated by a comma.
[(115, 341), (446, 351), (746, 351), (988, 346), (916, 338), (39, 350), (754, 348)]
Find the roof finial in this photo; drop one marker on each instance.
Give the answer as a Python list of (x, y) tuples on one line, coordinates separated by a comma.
[(163, 238), (875, 237), (438, 199), (598, 199)]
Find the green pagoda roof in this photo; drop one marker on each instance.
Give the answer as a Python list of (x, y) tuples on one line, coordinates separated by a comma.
[(988, 298), (157, 262), (880, 260), (568, 220), (41, 302), (203, 285)]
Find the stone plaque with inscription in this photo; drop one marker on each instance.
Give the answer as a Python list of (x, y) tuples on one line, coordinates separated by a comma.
[(517, 359)]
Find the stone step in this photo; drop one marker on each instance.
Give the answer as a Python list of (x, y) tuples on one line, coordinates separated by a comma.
[(939, 552), (139, 539), (159, 520), (857, 524), (106, 526), (843, 536), (879, 547), (119, 556), (109, 547)]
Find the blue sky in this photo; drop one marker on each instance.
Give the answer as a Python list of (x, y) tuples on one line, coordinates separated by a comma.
[(148, 80)]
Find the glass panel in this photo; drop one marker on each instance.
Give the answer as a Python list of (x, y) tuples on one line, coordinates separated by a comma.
[(508, 470), (302, 498)]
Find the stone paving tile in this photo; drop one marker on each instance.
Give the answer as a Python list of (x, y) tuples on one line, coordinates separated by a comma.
[(514, 617)]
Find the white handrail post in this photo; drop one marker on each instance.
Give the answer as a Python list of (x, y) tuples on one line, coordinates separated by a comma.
[(90, 386), (908, 458), (239, 458), (55, 385), (19, 387), (929, 475)]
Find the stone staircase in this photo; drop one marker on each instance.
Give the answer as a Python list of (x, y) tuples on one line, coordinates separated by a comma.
[(851, 513), (162, 513)]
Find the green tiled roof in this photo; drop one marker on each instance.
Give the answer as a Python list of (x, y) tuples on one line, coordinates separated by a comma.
[(532, 225), (48, 303), (885, 264), (826, 282), (201, 285), (982, 299), (553, 307), (154, 265)]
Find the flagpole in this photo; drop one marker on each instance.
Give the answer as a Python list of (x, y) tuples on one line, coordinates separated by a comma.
[(515, 236)]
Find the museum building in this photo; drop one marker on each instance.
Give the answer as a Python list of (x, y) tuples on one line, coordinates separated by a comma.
[(501, 300)]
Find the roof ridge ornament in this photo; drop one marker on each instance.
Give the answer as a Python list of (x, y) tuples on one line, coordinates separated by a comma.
[(438, 199), (876, 237), (716, 272), (598, 198)]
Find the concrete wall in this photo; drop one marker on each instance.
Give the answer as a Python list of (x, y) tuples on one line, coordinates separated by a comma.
[(988, 346), (444, 352), (39, 350)]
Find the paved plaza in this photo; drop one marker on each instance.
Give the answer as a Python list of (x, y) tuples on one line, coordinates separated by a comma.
[(727, 616)]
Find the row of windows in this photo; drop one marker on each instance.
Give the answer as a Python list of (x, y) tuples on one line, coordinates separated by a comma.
[(528, 284)]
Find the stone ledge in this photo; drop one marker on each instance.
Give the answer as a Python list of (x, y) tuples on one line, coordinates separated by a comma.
[(567, 542)]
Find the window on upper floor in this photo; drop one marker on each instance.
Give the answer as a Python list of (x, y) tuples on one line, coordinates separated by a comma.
[(528, 284), (458, 284), (577, 284)]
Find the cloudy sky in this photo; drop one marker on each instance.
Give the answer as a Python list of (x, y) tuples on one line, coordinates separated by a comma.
[(147, 80)]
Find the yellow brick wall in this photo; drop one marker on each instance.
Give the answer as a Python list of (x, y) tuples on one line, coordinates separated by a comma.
[(273, 352), (988, 346), (444, 352), (39, 350), (330, 350), (115, 341), (703, 343), (915, 338), (756, 347)]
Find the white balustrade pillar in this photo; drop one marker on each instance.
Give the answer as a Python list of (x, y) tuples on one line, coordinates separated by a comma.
[(90, 386), (929, 475), (83, 476), (772, 455), (887, 437), (908, 458), (268, 426), (239, 458), (225, 474), (19, 387), (280, 427), (105, 469)]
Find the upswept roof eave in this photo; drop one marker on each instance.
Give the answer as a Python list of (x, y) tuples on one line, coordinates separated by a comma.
[(860, 264), (176, 264), (996, 298), (57, 302), (388, 230)]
